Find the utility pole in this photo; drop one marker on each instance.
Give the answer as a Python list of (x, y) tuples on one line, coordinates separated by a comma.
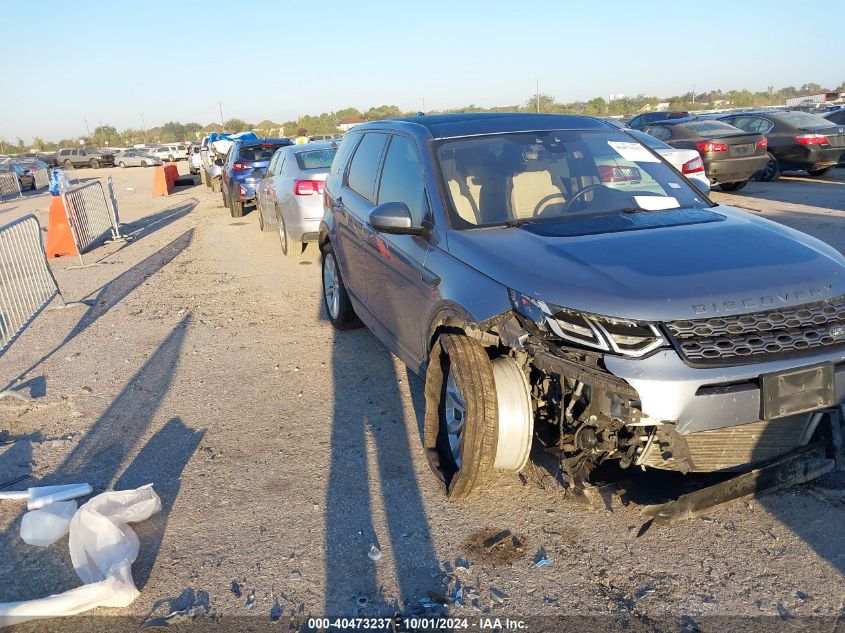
[(693, 93), (220, 105), (143, 124), (87, 129), (538, 96)]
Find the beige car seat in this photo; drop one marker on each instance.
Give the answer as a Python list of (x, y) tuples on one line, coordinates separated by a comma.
[(534, 191)]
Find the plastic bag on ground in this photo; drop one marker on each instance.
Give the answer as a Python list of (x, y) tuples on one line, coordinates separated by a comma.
[(102, 549), (46, 526)]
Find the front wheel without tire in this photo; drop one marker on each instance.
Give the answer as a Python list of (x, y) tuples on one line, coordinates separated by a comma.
[(236, 208), (335, 298), (468, 413), (733, 186), (95, 164), (122, 165), (215, 185)]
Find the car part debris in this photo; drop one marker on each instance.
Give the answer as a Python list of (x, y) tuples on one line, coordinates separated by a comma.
[(276, 611), (102, 549), (173, 618), (295, 575), (795, 468), (40, 496), (235, 588), (498, 595), (374, 553), (250, 600), (497, 538), (47, 525), (362, 602), (540, 559)]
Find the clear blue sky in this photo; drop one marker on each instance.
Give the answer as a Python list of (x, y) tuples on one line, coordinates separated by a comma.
[(111, 62)]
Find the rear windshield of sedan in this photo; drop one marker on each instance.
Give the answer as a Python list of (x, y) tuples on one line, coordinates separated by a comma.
[(511, 179), (804, 120), (712, 129), (316, 158), (257, 152)]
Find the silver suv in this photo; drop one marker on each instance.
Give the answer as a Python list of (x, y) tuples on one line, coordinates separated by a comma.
[(556, 281), (84, 157)]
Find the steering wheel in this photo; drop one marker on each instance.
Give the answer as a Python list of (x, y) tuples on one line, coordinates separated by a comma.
[(539, 208), (580, 194)]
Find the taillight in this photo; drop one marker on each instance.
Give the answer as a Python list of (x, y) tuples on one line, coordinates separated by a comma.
[(615, 173), (707, 147), (241, 190), (308, 187), (241, 166), (812, 139), (763, 143), (694, 166)]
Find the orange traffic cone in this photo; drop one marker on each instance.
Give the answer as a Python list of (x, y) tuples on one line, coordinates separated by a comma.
[(162, 185), (59, 237)]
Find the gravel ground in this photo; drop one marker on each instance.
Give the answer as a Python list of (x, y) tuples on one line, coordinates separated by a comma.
[(282, 451)]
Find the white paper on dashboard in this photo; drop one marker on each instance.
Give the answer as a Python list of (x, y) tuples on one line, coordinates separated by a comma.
[(656, 203), (633, 151)]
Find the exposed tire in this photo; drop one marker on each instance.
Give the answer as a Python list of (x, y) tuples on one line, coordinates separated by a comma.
[(94, 163), (335, 298), (236, 208), (817, 172), (122, 165), (143, 163), (170, 159), (290, 248), (467, 409), (733, 186), (215, 185), (67, 163), (771, 171)]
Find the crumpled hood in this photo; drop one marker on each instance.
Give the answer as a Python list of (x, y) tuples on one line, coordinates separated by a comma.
[(737, 265)]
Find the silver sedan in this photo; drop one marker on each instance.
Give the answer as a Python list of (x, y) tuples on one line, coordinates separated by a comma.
[(135, 158), (290, 195)]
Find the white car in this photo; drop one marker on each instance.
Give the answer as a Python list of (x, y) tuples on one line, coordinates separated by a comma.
[(170, 153), (686, 161)]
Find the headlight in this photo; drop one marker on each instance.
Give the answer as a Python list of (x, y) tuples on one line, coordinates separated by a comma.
[(619, 336)]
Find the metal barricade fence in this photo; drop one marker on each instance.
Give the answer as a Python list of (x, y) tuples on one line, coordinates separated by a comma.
[(9, 185), (27, 284), (90, 214)]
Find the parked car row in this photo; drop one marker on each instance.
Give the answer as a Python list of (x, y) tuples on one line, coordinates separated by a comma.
[(737, 146), (136, 158)]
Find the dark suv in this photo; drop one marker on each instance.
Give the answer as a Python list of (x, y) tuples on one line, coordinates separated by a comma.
[(554, 277), (84, 157)]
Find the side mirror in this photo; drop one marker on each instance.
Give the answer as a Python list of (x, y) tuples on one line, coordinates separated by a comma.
[(395, 218)]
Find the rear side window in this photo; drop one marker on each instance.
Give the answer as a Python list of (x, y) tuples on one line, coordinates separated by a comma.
[(362, 171), (659, 132), (316, 158), (342, 155), (402, 179)]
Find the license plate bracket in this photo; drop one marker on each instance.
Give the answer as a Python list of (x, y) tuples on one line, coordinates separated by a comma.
[(797, 391)]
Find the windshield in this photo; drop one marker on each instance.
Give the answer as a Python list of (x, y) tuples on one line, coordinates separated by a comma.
[(553, 175), (261, 152), (316, 158)]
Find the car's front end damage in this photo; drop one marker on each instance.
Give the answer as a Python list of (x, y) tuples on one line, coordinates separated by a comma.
[(711, 394)]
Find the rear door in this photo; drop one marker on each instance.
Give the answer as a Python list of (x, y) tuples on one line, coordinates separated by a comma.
[(397, 262), (351, 211)]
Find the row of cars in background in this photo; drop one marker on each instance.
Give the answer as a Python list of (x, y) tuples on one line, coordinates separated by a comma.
[(283, 180), (738, 146)]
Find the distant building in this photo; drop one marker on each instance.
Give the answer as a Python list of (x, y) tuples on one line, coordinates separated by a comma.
[(822, 97), (346, 124)]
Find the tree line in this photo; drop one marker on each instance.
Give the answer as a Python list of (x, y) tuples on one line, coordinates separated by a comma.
[(327, 122)]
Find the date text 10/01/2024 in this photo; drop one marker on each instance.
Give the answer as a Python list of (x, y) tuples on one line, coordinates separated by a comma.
[(401, 623)]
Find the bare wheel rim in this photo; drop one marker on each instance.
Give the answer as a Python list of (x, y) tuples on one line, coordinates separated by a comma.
[(455, 414), (330, 286), (770, 169)]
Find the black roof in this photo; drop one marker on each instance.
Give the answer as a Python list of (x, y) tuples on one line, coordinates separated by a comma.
[(469, 123)]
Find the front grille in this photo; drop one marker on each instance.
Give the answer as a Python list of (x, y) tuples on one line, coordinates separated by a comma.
[(760, 335)]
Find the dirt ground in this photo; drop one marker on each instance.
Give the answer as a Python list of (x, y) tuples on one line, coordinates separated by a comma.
[(282, 451)]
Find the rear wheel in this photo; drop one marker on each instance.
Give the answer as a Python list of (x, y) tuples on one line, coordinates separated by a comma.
[(733, 186), (335, 298), (170, 159), (771, 171), (122, 165), (94, 163), (290, 248), (143, 163), (817, 172), (68, 164)]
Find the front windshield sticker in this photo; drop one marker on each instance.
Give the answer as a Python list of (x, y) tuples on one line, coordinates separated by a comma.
[(634, 152), (656, 203)]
